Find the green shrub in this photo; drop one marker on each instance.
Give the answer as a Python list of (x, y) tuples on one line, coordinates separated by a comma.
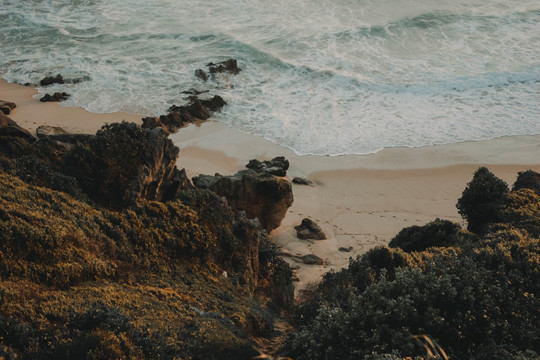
[(438, 233), (480, 201)]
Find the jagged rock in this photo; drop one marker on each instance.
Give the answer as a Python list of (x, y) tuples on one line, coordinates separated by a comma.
[(179, 116), (301, 181), (260, 195), (6, 106), (9, 127), (309, 230), (215, 103), (311, 259), (345, 249), (229, 66), (278, 166), (45, 130), (201, 74), (56, 97), (124, 163), (49, 80), (152, 123)]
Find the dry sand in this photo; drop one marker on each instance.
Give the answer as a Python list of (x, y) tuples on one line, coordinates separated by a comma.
[(360, 201)]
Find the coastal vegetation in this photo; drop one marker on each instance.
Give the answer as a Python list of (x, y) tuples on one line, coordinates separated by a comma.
[(472, 293), (108, 251)]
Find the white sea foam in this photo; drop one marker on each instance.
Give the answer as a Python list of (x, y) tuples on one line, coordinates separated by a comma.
[(321, 77)]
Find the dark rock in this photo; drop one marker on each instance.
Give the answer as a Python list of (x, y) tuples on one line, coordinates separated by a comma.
[(49, 80), (178, 182), (201, 74), (152, 123), (9, 127), (215, 103), (56, 97), (229, 66), (45, 130), (260, 195), (179, 116), (309, 230), (6, 106), (301, 181), (278, 166), (344, 249), (311, 259), (124, 163)]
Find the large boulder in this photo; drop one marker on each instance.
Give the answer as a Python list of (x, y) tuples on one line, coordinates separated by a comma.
[(46, 130), (6, 106), (308, 229), (49, 80), (278, 166), (10, 128), (260, 195)]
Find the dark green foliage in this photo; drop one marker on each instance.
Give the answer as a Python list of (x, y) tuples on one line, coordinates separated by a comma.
[(438, 233), (478, 299), (480, 201), (528, 180)]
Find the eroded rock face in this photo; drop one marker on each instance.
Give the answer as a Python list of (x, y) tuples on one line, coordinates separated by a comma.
[(124, 163), (9, 127), (260, 195)]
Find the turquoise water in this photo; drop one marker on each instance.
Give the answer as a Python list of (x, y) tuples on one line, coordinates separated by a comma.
[(321, 77)]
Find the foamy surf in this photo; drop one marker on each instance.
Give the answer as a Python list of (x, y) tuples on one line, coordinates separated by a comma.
[(319, 77)]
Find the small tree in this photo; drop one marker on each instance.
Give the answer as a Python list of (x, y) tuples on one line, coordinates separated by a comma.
[(480, 202)]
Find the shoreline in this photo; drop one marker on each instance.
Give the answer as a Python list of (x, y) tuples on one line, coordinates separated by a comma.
[(360, 201)]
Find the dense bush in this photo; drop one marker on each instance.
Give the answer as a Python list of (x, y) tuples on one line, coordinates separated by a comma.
[(438, 233), (480, 201), (477, 297), (155, 271), (528, 180)]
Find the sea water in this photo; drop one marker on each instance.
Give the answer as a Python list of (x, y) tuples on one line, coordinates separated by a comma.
[(324, 77)]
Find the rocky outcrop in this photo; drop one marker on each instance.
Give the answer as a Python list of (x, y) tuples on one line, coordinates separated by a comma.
[(308, 229), (10, 128), (6, 106), (45, 130), (56, 97), (124, 163), (229, 66), (260, 195), (49, 80), (180, 116), (278, 166)]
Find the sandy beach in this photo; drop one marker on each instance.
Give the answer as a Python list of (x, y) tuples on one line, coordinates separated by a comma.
[(360, 201)]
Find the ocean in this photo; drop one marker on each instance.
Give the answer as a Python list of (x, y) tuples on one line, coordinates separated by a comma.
[(323, 77)]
